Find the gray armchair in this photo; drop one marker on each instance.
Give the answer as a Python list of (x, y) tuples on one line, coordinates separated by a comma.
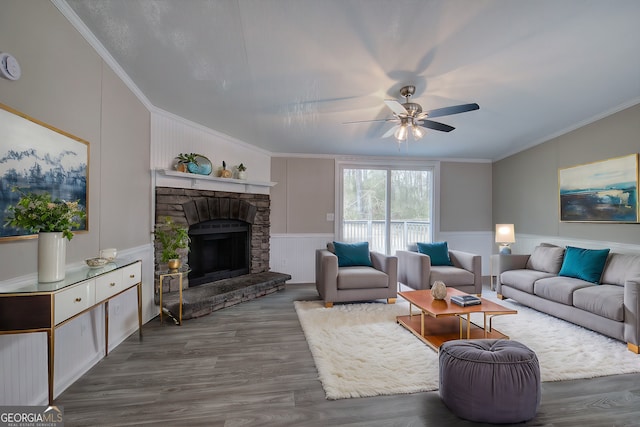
[(415, 271), (348, 284)]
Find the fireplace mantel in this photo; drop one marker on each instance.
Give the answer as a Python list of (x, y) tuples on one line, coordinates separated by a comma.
[(175, 179)]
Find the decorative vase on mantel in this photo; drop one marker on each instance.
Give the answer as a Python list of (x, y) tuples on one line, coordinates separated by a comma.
[(52, 255)]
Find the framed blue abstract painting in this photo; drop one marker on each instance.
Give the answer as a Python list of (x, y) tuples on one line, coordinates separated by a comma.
[(603, 191), (38, 158)]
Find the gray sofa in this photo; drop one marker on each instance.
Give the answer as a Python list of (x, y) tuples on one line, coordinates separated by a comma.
[(611, 307), (415, 270)]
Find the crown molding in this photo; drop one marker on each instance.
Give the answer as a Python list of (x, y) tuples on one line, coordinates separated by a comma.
[(575, 126), (77, 23)]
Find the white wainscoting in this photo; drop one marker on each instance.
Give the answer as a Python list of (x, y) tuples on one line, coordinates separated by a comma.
[(79, 343), (525, 243), (295, 254)]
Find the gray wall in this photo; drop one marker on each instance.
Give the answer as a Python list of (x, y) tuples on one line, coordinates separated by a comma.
[(67, 85), (525, 185), (305, 193), (465, 196)]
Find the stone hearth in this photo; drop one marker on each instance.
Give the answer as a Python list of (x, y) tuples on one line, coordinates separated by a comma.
[(205, 299)]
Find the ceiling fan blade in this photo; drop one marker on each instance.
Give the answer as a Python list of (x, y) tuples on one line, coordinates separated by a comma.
[(390, 132), (396, 107), (369, 121), (436, 125), (447, 111)]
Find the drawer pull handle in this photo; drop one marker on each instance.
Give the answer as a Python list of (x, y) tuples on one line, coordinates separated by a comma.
[(132, 276), (78, 299), (112, 284)]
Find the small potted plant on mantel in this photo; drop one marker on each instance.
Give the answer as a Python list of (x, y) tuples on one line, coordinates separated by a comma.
[(242, 171), (172, 237)]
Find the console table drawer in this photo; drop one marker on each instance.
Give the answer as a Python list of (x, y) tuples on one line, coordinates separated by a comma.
[(109, 285), (132, 274), (72, 301)]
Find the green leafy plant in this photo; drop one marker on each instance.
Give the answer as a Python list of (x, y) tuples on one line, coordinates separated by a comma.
[(242, 167), (38, 212), (188, 158), (171, 237)]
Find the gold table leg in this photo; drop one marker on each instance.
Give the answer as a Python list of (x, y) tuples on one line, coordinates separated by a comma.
[(180, 305), (160, 290)]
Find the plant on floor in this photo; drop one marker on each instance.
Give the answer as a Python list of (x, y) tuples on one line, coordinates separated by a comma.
[(171, 237)]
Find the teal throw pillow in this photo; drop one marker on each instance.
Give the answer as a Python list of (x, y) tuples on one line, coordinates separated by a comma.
[(438, 252), (585, 264), (352, 254)]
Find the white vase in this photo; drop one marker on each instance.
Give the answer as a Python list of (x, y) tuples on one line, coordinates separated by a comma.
[(242, 175), (52, 256)]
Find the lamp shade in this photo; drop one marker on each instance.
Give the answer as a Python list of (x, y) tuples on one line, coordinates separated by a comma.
[(505, 233)]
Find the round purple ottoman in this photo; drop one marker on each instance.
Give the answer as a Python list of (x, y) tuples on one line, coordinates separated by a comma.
[(491, 381)]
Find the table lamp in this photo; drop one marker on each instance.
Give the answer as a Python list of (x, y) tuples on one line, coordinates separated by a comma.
[(505, 236)]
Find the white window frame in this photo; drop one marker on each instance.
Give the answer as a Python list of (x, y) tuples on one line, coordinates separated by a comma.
[(425, 165)]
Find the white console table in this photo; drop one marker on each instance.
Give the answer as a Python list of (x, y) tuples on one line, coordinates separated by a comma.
[(42, 307)]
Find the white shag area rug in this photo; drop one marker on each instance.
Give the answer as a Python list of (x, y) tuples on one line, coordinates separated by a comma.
[(360, 350)]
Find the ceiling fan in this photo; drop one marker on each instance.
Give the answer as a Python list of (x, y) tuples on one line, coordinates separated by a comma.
[(410, 117)]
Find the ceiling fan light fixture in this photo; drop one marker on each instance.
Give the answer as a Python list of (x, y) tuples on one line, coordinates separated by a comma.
[(417, 132), (401, 133)]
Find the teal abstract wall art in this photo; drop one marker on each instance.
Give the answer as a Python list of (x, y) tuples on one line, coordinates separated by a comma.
[(603, 191)]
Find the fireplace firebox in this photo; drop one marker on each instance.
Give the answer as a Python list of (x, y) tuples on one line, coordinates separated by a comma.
[(220, 249)]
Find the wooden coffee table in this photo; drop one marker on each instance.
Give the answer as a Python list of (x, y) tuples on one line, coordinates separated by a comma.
[(441, 320)]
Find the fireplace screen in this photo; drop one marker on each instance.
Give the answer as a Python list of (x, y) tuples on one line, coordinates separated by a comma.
[(219, 249)]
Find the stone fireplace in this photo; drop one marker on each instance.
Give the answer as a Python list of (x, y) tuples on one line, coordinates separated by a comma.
[(229, 232)]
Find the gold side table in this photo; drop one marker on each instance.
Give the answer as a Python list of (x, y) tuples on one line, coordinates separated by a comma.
[(181, 272)]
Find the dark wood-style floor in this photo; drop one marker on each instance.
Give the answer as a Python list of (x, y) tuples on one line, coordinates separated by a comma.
[(249, 365)]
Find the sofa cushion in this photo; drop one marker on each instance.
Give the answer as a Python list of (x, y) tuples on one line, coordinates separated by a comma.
[(360, 277), (585, 264), (352, 254), (522, 280), (620, 267), (546, 258), (559, 289), (438, 252), (604, 300), (451, 276)]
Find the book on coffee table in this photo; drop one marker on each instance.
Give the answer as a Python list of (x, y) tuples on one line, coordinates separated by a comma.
[(465, 300)]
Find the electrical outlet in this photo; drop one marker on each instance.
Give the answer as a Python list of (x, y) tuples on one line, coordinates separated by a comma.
[(330, 217)]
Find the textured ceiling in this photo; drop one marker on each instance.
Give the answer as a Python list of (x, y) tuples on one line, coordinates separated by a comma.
[(285, 75)]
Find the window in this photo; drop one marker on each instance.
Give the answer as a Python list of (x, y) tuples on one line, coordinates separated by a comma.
[(388, 206)]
